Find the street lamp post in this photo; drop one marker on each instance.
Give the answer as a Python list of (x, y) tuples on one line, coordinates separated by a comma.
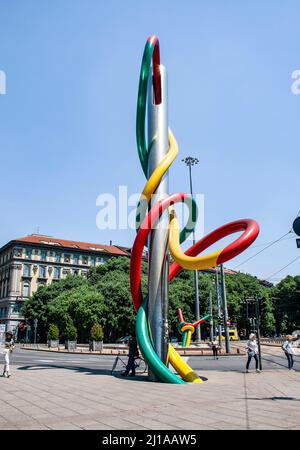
[(35, 328), (190, 161), (26, 337), (211, 323), (225, 311), (255, 322), (219, 318), (257, 314)]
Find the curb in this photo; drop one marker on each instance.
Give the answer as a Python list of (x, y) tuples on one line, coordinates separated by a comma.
[(125, 352)]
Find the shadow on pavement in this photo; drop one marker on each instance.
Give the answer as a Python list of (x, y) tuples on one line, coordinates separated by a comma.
[(85, 370), (275, 398)]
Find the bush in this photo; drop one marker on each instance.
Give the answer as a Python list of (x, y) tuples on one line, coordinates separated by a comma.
[(70, 331), (53, 332), (97, 333)]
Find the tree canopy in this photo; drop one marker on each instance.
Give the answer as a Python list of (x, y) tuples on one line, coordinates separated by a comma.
[(104, 298), (286, 302)]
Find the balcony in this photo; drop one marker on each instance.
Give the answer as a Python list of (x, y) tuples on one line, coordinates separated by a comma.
[(26, 277), (42, 278)]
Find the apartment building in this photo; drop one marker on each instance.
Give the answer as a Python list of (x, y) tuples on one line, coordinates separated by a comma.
[(29, 262)]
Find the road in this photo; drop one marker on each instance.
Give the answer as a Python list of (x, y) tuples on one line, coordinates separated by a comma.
[(29, 359)]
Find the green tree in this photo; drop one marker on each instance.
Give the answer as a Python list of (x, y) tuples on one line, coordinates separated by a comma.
[(182, 295), (112, 280), (38, 304), (286, 303), (53, 332), (70, 331), (105, 298), (84, 305), (97, 333), (239, 288)]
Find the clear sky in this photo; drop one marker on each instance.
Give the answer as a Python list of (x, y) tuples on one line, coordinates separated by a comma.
[(67, 121)]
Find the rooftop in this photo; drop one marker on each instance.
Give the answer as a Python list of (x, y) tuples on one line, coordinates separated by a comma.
[(41, 239)]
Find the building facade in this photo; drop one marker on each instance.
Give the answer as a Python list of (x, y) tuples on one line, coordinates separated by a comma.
[(32, 261)]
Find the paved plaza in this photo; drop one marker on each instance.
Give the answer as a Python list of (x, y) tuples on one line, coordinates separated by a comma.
[(47, 395)]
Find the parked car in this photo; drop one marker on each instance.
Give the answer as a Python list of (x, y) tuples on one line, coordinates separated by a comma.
[(123, 340)]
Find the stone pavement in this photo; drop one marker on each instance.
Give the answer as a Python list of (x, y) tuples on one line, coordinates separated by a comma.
[(56, 398)]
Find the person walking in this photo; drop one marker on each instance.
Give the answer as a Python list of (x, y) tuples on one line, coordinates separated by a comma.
[(8, 348), (289, 350), (133, 353), (215, 348), (252, 350)]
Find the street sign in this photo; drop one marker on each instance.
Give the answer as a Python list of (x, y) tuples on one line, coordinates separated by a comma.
[(298, 243), (296, 226)]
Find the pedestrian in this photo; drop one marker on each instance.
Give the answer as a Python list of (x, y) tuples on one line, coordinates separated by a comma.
[(133, 353), (8, 348), (289, 350), (215, 348), (252, 350)]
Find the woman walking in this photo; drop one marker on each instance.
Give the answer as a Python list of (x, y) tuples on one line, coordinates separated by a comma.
[(289, 350), (8, 348), (252, 350), (215, 348)]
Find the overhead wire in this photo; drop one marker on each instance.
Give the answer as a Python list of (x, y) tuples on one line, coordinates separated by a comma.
[(270, 242), (262, 250), (267, 246), (280, 270)]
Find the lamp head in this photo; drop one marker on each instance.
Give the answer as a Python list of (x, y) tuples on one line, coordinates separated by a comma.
[(190, 161)]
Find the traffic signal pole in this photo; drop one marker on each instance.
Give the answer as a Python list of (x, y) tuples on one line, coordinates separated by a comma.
[(218, 307), (225, 312), (211, 317), (257, 313)]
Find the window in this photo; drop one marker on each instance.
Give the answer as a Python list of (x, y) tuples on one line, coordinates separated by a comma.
[(28, 253), (16, 308), (43, 255), (67, 258), (26, 289), (57, 257), (26, 272), (3, 312), (42, 272), (93, 261), (76, 259), (84, 260), (57, 272)]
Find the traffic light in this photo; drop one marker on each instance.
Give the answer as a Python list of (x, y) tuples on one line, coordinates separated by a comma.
[(296, 226)]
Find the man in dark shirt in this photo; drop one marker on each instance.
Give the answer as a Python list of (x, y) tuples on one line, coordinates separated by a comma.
[(133, 353)]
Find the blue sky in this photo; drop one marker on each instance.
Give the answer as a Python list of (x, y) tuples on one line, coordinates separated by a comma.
[(67, 121)]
